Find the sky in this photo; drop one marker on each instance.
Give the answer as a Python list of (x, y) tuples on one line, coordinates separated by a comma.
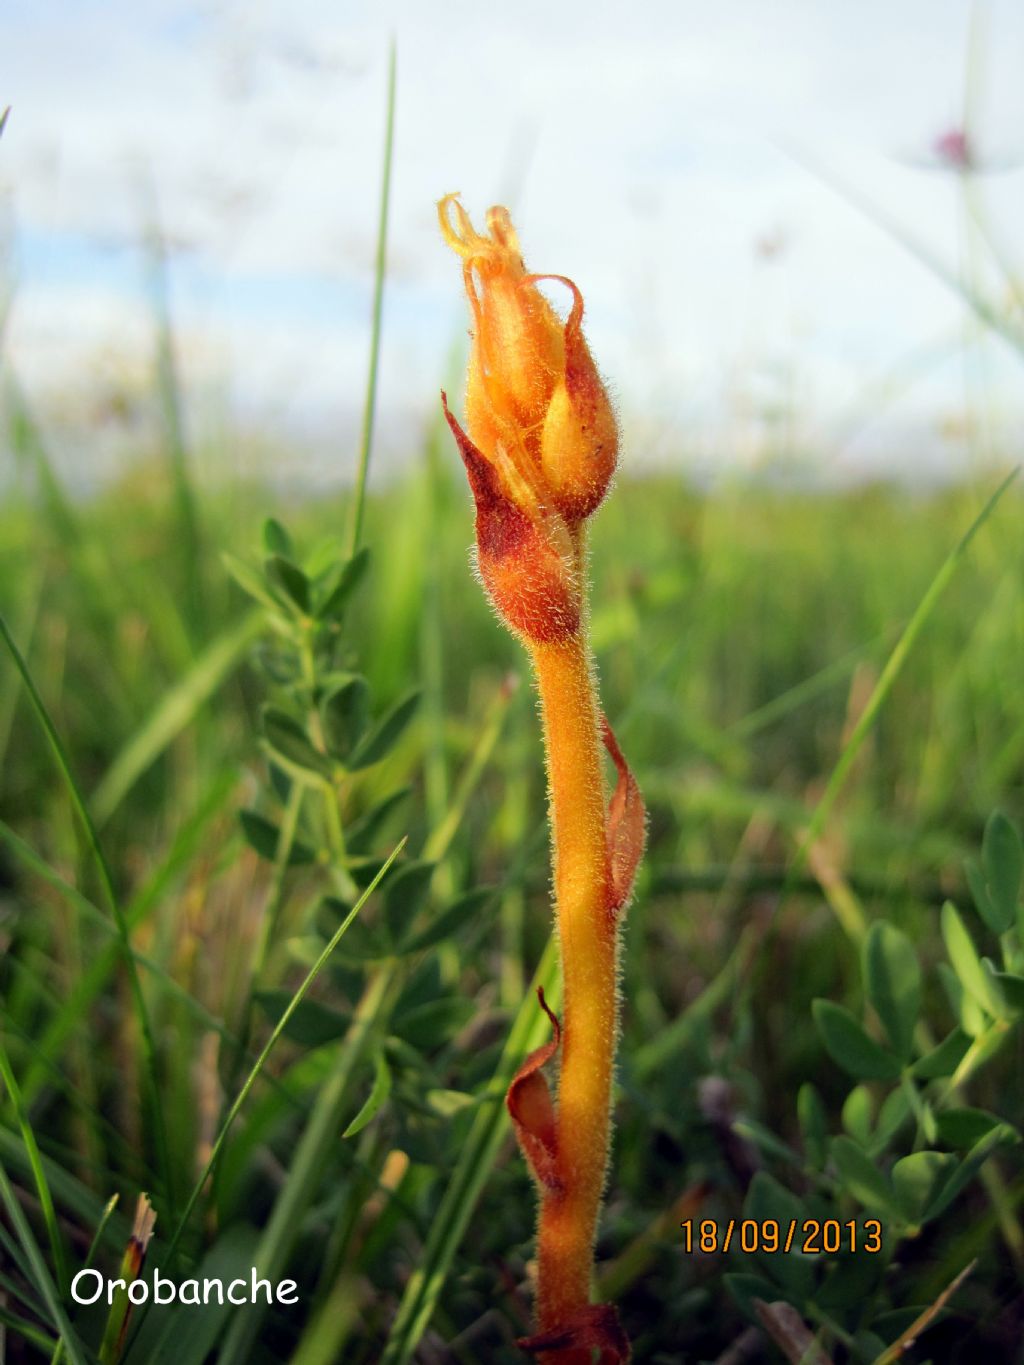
[(675, 158)]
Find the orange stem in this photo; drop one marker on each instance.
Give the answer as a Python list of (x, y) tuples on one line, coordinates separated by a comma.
[(587, 933)]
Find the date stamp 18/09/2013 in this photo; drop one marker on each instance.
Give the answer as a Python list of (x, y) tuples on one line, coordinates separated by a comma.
[(808, 1236)]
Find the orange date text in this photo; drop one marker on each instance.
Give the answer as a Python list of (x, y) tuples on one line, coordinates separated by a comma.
[(809, 1236)]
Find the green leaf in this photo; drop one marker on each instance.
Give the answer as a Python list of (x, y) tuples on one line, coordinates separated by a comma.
[(422, 985), (289, 579), (264, 836), (813, 1123), (979, 894), (311, 1023), (1011, 988), (428, 1026), (377, 1096), (861, 1178), (289, 740), (848, 1044), (361, 833), (250, 581), (994, 980), (917, 1180), (1001, 1136), (447, 1103), (857, 1114), (473, 905), (276, 540), (768, 1200), (1003, 858), (385, 734), (404, 893), (182, 1334), (850, 1278), (338, 593), (363, 942), (745, 1288), (763, 1137), (175, 710), (944, 1059), (281, 666), (344, 711), (966, 963), (973, 1019), (893, 1323), (964, 1127), (892, 981), (868, 1345), (893, 1114)]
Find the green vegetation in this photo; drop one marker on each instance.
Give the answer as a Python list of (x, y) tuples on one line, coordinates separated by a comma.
[(274, 904), (740, 638)]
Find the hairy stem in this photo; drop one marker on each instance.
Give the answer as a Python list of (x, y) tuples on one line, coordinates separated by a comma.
[(587, 934)]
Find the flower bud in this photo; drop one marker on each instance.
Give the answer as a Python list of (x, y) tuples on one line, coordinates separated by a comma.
[(525, 554), (580, 440), (536, 409)]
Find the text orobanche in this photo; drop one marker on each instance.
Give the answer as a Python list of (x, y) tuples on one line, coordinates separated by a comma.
[(89, 1286)]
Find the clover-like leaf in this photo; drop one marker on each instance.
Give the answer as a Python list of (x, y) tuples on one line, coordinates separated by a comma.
[(386, 733), (966, 963), (291, 583), (379, 1093), (892, 980), (291, 744), (849, 1045), (918, 1179), (344, 712), (1002, 857), (863, 1179)]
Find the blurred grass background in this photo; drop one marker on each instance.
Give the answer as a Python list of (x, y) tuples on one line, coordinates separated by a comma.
[(739, 634)]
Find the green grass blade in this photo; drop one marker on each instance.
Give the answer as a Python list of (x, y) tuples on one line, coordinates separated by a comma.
[(63, 764), (111, 1205), (467, 1179), (176, 709), (40, 1274), (268, 1047), (380, 271), (319, 1136), (86, 990), (441, 836), (89, 986), (804, 691), (28, 615), (890, 672), (35, 1160), (28, 1331)]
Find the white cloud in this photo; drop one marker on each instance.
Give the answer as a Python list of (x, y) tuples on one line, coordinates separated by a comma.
[(640, 144)]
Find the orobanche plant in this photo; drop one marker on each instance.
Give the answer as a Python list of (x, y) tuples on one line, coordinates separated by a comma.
[(540, 446)]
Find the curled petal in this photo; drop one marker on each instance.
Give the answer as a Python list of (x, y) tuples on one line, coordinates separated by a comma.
[(627, 831), (596, 1327), (533, 1112), (580, 438), (462, 237)]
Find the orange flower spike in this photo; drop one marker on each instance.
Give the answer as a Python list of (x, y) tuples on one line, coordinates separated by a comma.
[(540, 451), (534, 400)]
